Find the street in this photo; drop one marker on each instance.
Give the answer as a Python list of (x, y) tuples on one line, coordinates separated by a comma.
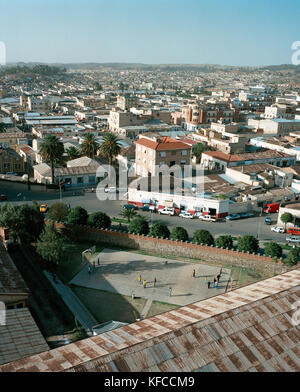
[(255, 226)]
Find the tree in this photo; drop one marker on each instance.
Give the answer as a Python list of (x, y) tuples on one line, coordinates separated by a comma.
[(110, 147), (179, 234), (77, 216), (273, 250), (292, 257), (89, 146), (73, 153), (203, 237), (58, 212), (128, 213), (248, 243), (138, 226), (285, 218), (52, 150), (51, 246), (224, 241), (99, 220), (2, 127), (197, 150), (25, 222), (159, 230)]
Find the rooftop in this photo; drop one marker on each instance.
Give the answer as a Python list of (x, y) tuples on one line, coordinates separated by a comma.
[(20, 337), (248, 329), (164, 143), (11, 281)]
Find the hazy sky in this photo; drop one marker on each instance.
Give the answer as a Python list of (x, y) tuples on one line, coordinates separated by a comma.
[(231, 32)]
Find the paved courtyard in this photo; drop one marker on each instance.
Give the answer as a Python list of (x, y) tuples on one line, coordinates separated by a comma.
[(118, 272)]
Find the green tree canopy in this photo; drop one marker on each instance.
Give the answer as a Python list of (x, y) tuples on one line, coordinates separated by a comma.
[(248, 243), (292, 257), (52, 150), (179, 234), (286, 217), (128, 213), (99, 220), (58, 212), (203, 237), (77, 216), (51, 246), (89, 146), (138, 226), (273, 250), (160, 230), (2, 127), (197, 150), (25, 222), (73, 153), (110, 147), (224, 241)]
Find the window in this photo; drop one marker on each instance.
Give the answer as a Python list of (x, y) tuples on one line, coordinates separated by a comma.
[(173, 153), (6, 165), (92, 180), (79, 180), (184, 152), (183, 162), (163, 154)]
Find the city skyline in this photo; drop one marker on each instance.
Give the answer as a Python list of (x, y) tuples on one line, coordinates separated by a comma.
[(231, 33)]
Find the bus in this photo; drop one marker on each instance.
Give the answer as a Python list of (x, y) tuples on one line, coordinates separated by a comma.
[(293, 230)]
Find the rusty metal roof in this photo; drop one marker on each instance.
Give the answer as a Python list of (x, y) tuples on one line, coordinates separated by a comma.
[(248, 329)]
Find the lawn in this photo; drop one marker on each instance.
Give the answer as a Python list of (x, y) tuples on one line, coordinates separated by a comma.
[(72, 263), (160, 307), (105, 306), (243, 276)]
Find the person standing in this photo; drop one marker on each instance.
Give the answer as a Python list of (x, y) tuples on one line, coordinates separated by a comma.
[(194, 273), (208, 284), (140, 278), (215, 281), (154, 282), (144, 283), (218, 278)]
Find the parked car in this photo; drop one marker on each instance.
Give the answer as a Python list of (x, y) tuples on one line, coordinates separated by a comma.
[(3, 197), (148, 208), (43, 208), (185, 214), (293, 238), (166, 211), (277, 229), (130, 206), (247, 215), (207, 218), (268, 220), (233, 217)]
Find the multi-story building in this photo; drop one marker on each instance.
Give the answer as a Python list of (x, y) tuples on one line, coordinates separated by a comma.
[(126, 102), (10, 161), (153, 152)]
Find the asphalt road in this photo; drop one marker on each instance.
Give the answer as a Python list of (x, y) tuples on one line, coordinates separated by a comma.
[(255, 226)]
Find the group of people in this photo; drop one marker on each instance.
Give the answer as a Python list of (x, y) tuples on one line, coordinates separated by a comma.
[(144, 282), (216, 281)]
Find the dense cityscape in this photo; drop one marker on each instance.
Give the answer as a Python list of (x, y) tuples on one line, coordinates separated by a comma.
[(149, 218)]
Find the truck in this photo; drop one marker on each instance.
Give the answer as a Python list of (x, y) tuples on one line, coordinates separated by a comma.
[(207, 218), (273, 207)]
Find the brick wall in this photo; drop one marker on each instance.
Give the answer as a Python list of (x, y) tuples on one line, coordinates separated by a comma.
[(220, 257)]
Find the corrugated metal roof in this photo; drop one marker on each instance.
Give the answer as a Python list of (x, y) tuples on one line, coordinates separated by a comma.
[(224, 333)]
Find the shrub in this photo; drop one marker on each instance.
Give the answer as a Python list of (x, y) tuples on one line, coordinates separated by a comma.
[(159, 230), (248, 243), (99, 220), (224, 241), (292, 257), (77, 216), (273, 249), (58, 212), (203, 237), (179, 234), (138, 226)]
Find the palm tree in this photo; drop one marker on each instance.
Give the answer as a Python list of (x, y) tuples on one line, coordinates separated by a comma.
[(128, 213), (89, 146), (52, 150), (73, 153), (110, 147)]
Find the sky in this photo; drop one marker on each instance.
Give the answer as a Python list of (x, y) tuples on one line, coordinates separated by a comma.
[(225, 32)]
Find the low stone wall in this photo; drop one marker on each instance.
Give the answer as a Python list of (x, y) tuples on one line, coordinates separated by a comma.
[(218, 256)]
